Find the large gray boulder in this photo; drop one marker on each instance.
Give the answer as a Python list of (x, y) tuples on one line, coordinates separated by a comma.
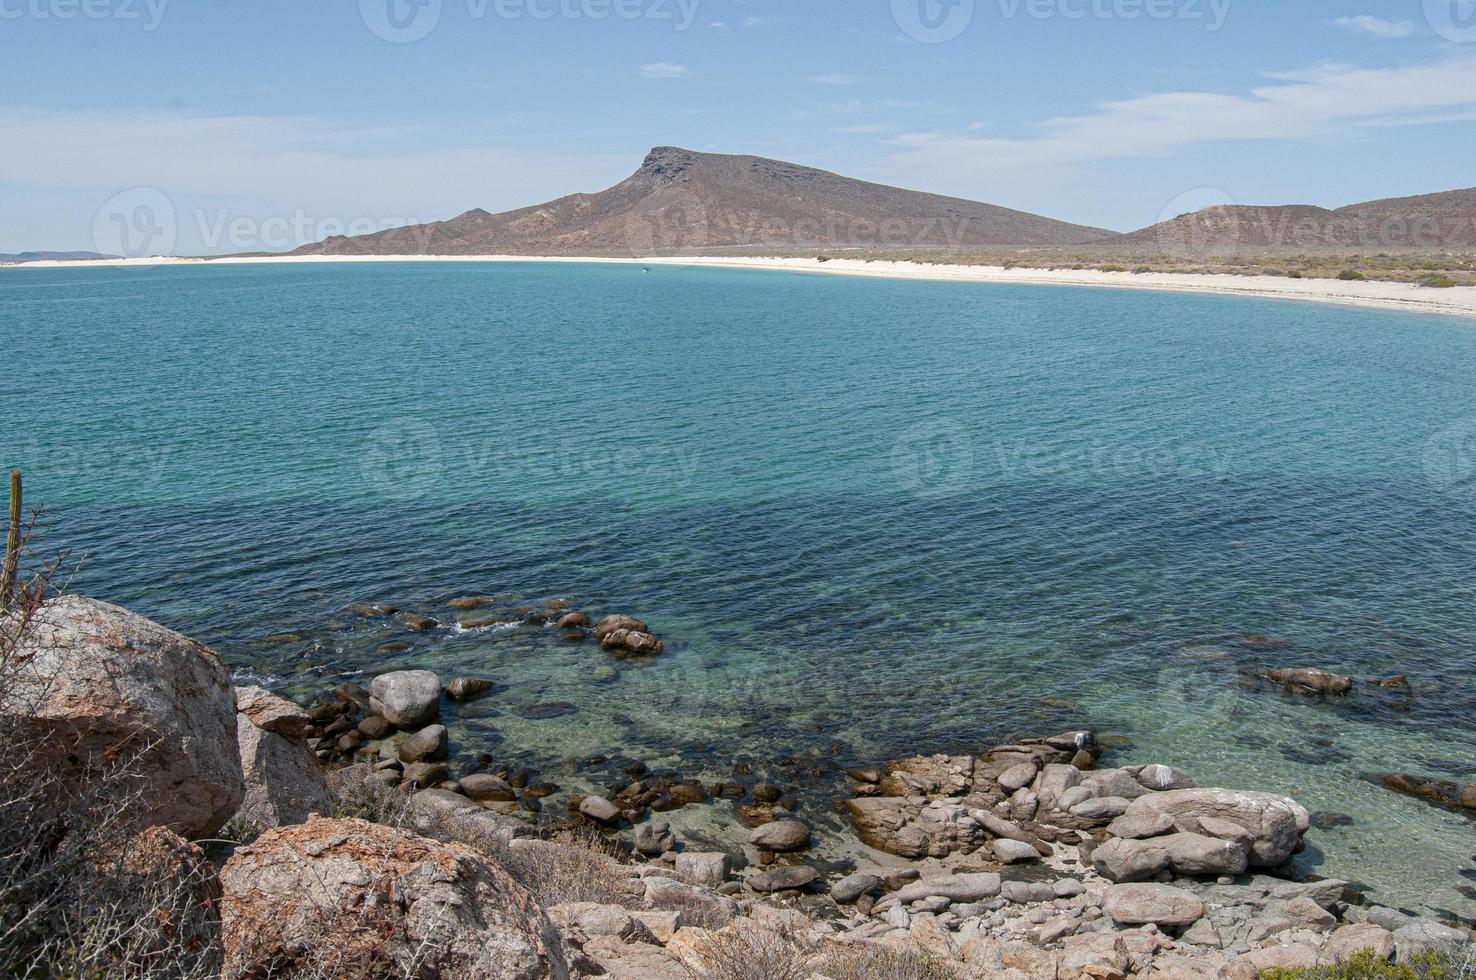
[(407, 698), (284, 783), (1275, 823), (1162, 905), (1123, 859), (102, 686), (347, 897)]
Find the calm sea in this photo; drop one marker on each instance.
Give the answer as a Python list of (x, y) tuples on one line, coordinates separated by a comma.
[(869, 517)]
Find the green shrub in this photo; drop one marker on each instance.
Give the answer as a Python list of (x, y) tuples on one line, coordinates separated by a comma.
[(1437, 281), (1112, 268), (1453, 964), (1352, 275)]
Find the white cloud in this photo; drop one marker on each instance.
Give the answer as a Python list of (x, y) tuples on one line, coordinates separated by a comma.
[(1322, 102), (835, 78), (664, 69), (269, 167), (1376, 26)]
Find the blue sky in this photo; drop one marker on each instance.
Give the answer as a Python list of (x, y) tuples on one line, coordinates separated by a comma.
[(262, 123)]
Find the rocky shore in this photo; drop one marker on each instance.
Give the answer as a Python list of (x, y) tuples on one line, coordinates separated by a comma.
[(1032, 859)]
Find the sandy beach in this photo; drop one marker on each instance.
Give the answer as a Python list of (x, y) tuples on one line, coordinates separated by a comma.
[(1457, 301)]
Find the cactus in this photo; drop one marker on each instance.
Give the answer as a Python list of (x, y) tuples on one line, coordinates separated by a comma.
[(12, 544)]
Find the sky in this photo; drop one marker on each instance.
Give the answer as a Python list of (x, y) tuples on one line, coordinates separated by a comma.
[(214, 126)]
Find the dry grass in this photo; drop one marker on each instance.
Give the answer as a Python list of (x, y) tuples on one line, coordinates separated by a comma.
[(868, 961), (747, 950), (83, 893), (579, 869)]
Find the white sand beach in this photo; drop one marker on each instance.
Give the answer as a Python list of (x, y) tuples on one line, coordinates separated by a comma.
[(1456, 301)]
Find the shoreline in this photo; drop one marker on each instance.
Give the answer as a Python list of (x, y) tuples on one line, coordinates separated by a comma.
[(1407, 297)]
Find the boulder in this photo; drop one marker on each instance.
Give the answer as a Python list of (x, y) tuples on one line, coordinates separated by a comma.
[(913, 827), (710, 868), (655, 838), (1162, 905), (853, 886), (1309, 680), (781, 836), (1160, 779), (1018, 776), (427, 745), (573, 621), (101, 684), (284, 783), (1124, 859), (611, 624), (972, 887), (351, 898), (786, 878), (1348, 941), (407, 698), (1008, 851), (1421, 935), (271, 713), (416, 622), (1276, 823), (485, 787)]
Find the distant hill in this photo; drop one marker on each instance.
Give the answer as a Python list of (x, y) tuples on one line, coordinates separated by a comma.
[(51, 256), (1427, 223), (683, 202)]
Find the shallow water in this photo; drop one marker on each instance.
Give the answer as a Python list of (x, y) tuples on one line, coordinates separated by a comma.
[(870, 517)]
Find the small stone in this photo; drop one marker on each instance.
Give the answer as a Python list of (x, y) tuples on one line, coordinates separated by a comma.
[(600, 810), (766, 793), (466, 688), (374, 727), (426, 774), (573, 621), (1068, 888), (654, 839), (484, 787), (1013, 852)]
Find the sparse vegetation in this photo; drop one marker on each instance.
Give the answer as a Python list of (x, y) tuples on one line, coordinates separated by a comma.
[(1437, 281), (579, 869), (1351, 275), (1452, 964)]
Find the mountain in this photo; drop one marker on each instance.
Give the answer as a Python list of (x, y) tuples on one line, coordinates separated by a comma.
[(1426, 223), (682, 202), (51, 256)]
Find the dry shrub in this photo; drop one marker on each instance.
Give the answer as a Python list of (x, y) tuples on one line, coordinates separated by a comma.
[(84, 893), (871, 961), (356, 794), (579, 869), (748, 950)]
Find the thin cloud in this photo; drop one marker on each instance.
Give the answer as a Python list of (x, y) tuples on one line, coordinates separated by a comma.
[(835, 78), (1376, 26), (1323, 102), (664, 69)]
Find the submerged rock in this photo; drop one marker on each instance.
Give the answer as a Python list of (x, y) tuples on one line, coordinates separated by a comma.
[(1310, 680)]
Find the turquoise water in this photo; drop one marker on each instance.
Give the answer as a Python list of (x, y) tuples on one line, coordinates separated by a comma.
[(870, 517)]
